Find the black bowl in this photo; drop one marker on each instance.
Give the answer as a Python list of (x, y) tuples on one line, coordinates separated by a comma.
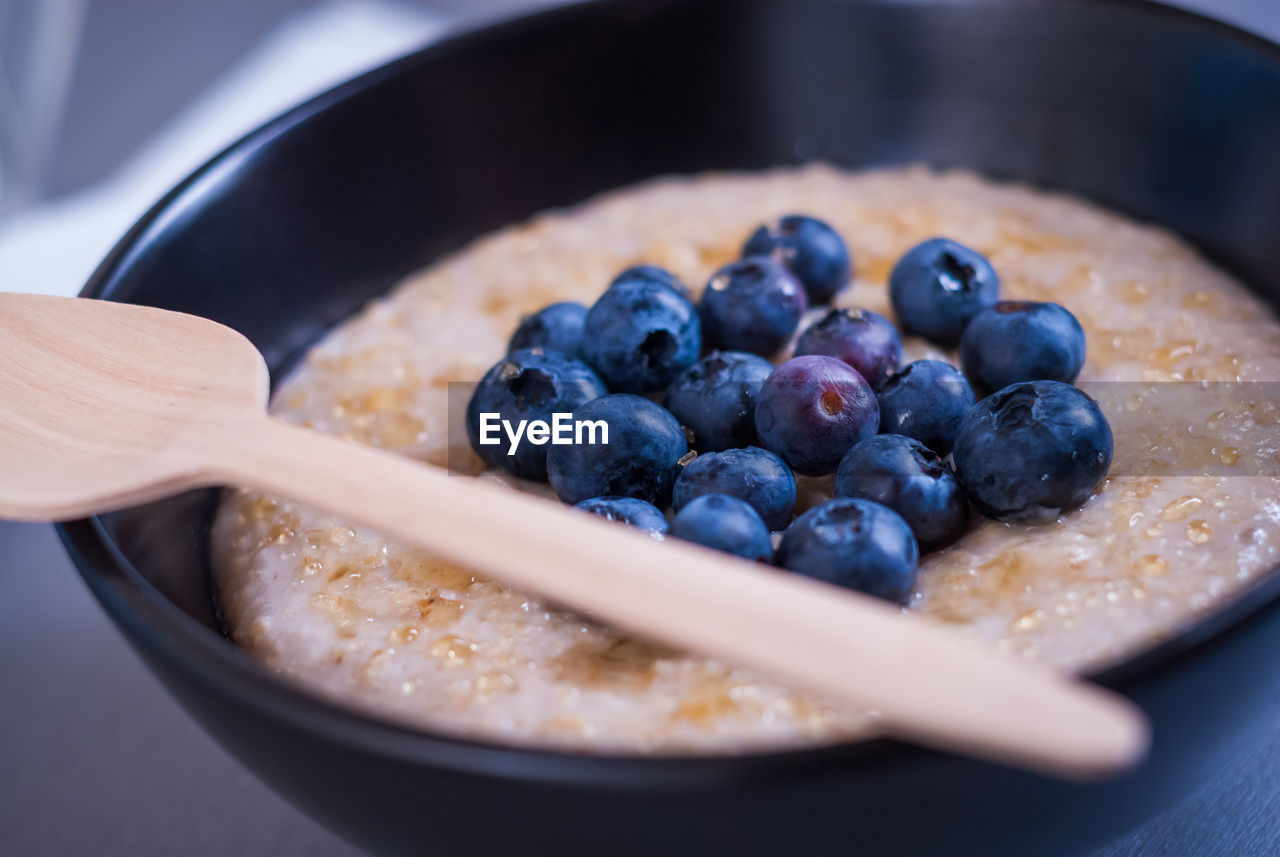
[(1158, 113)]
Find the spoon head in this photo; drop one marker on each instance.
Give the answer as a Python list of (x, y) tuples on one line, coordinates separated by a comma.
[(99, 401)]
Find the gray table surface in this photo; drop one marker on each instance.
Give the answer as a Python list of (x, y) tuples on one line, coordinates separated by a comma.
[(97, 758)]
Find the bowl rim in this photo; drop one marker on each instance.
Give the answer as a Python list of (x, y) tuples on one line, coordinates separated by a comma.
[(158, 628)]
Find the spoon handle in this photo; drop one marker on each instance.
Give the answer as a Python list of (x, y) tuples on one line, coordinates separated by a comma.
[(923, 682)]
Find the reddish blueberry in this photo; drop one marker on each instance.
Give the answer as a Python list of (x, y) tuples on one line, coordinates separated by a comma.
[(865, 340), (812, 409)]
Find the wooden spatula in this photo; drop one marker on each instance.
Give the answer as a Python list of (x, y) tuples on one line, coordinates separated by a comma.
[(104, 405)]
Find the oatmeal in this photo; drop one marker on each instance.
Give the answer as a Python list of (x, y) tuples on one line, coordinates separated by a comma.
[(1189, 514)]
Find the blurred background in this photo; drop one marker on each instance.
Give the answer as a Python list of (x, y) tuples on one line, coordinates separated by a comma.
[(104, 105), (84, 83)]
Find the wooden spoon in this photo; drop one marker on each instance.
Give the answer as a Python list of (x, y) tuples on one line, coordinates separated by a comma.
[(105, 405)]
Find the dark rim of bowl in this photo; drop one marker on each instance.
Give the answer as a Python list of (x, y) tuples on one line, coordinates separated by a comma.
[(160, 628)]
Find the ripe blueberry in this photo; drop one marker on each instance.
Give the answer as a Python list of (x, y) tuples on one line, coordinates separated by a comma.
[(1032, 450), (640, 334), (910, 479), (530, 384), (557, 326), (927, 400), (753, 305), (715, 399), (724, 523), (641, 459), (755, 475), (1022, 341), (628, 510), (652, 274), (853, 543), (810, 249), (938, 286)]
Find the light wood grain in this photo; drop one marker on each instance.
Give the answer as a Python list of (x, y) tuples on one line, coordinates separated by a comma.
[(108, 405)]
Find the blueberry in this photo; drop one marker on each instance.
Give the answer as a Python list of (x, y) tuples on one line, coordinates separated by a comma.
[(910, 479), (865, 340), (1022, 341), (753, 305), (641, 459), (926, 400), (812, 409), (715, 399), (938, 286), (853, 543), (753, 474), (530, 384), (557, 326), (652, 274), (724, 523), (628, 510), (810, 249), (640, 334), (1031, 450)]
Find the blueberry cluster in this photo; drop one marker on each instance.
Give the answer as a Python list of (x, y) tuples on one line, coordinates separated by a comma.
[(912, 449)]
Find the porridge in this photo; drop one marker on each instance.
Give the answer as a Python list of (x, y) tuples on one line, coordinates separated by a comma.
[(1189, 513)]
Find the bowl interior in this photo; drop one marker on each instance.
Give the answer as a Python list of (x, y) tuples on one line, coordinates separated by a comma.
[(1150, 111)]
